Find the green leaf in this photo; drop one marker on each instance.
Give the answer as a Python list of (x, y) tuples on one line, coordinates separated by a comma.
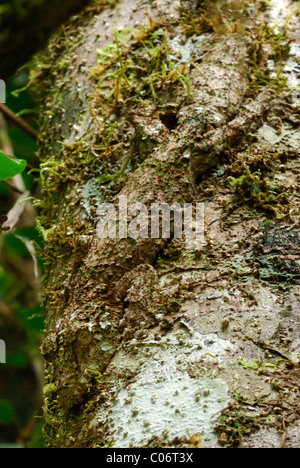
[(10, 167)]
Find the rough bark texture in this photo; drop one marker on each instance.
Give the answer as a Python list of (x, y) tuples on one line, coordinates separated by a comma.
[(149, 343)]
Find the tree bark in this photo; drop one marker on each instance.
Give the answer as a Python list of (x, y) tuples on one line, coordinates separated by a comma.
[(149, 343)]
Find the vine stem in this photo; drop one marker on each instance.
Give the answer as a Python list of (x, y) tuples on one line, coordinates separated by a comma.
[(18, 121)]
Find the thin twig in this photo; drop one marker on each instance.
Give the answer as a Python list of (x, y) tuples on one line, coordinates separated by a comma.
[(18, 121), (12, 187)]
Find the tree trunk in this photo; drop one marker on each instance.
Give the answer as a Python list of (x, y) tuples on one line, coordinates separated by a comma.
[(149, 342)]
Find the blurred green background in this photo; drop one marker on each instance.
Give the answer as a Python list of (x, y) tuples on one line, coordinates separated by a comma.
[(21, 315)]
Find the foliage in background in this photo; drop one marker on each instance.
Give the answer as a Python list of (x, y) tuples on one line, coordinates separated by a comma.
[(25, 26), (21, 315), (10, 167)]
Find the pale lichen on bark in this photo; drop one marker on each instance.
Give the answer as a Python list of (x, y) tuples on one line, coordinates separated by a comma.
[(142, 329)]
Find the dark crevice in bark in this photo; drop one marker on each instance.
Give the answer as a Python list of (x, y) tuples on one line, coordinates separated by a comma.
[(169, 119)]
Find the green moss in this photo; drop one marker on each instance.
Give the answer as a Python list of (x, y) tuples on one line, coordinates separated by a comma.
[(96, 374), (234, 426), (257, 366), (213, 17), (49, 390), (249, 176), (137, 76), (280, 47), (117, 175)]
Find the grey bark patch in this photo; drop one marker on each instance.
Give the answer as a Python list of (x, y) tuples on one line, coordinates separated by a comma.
[(277, 255), (293, 436), (168, 409), (267, 437)]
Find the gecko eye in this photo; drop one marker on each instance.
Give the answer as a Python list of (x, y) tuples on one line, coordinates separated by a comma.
[(169, 119)]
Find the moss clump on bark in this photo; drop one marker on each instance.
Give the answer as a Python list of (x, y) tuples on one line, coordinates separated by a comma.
[(249, 175)]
